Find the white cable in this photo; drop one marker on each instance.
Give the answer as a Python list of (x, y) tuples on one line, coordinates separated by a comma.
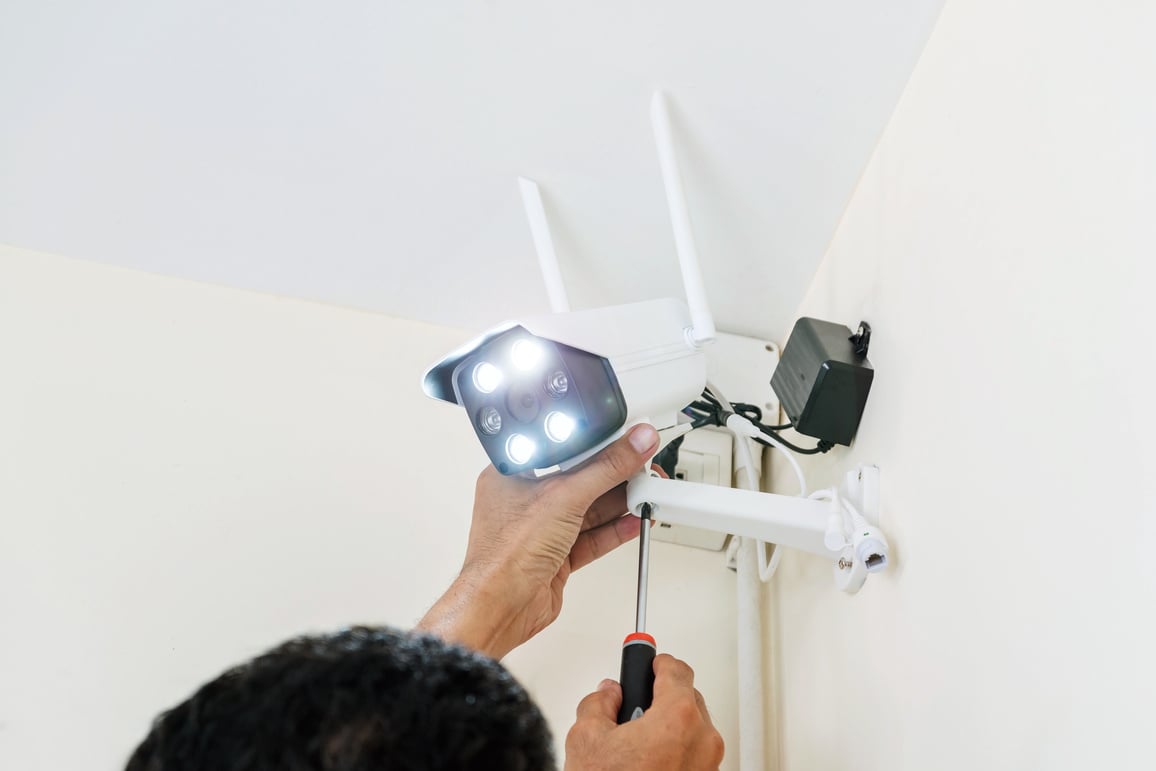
[(742, 443), (768, 566), (871, 547), (744, 430), (835, 537), (746, 460), (742, 425), (857, 519), (790, 457)]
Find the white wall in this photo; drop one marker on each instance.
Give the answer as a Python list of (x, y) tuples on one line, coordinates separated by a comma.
[(191, 474), (1001, 243)]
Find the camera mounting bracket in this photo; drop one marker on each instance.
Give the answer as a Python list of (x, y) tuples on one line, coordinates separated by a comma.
[(784, 520)]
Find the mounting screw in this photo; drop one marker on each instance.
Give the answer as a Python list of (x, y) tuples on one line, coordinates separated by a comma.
[(845, 564)]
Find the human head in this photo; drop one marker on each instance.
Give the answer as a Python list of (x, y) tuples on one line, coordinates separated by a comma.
[(364, 699)]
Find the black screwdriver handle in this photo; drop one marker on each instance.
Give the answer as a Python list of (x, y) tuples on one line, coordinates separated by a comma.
[(637, 677)]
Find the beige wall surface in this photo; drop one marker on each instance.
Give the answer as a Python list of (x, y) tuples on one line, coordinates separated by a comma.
[(1001, 243), (191, 474)]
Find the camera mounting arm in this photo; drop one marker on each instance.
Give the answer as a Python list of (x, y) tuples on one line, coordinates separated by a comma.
[(810, 525), (798, 523)]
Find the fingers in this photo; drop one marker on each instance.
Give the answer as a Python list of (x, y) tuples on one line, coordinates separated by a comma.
[(681, 712), (675, 733), (676, 682), (602, 705), (602, 540), (673, 679), (615, 464), (701, 702), (610, 505), (597, 716)]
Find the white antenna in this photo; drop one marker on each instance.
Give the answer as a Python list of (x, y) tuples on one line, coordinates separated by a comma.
[(544, 245), (703, 331)]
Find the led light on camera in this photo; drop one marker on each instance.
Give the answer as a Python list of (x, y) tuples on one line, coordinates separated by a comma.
[(520, 449), (526, 355), (559, 426), (487, 377)]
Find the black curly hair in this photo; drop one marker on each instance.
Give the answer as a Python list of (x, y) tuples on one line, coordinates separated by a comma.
[(364, 699)]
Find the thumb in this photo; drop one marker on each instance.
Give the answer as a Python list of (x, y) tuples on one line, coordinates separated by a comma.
[(602, 705), (616, 463)]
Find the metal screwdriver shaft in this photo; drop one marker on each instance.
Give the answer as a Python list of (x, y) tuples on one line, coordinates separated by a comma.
[(639, 648), (643, 568)]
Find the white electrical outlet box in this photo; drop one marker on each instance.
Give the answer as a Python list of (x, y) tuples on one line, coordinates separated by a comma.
[(741, 367), (705, 456)]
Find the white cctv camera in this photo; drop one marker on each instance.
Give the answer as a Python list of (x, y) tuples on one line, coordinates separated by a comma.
[(546, 393)]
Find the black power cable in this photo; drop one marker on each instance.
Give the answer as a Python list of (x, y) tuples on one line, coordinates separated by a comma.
[(821, 447), (755, 415), (667, 458), (709, 412)]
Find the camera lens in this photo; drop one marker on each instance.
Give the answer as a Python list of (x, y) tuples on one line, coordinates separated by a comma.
[(557, 384), (489, 421), (523, 403)]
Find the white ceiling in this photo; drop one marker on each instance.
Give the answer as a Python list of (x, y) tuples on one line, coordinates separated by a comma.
[(365, 153)]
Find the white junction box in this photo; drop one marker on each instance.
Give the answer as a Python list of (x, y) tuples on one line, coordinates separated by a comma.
[(741, 367), (705, 456)]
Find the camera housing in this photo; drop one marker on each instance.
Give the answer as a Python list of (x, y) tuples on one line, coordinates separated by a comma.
[(545, 393)]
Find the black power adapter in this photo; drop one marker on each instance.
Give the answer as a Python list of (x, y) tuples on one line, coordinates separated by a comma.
[(823, 379)]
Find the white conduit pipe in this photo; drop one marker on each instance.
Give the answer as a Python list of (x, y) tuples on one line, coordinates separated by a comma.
[(752, 720), (752, 725)]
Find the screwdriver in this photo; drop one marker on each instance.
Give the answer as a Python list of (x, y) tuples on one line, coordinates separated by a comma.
[(638, 649)]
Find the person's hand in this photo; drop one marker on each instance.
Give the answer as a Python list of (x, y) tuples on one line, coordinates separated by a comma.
[(528, 536), (675, 734)]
